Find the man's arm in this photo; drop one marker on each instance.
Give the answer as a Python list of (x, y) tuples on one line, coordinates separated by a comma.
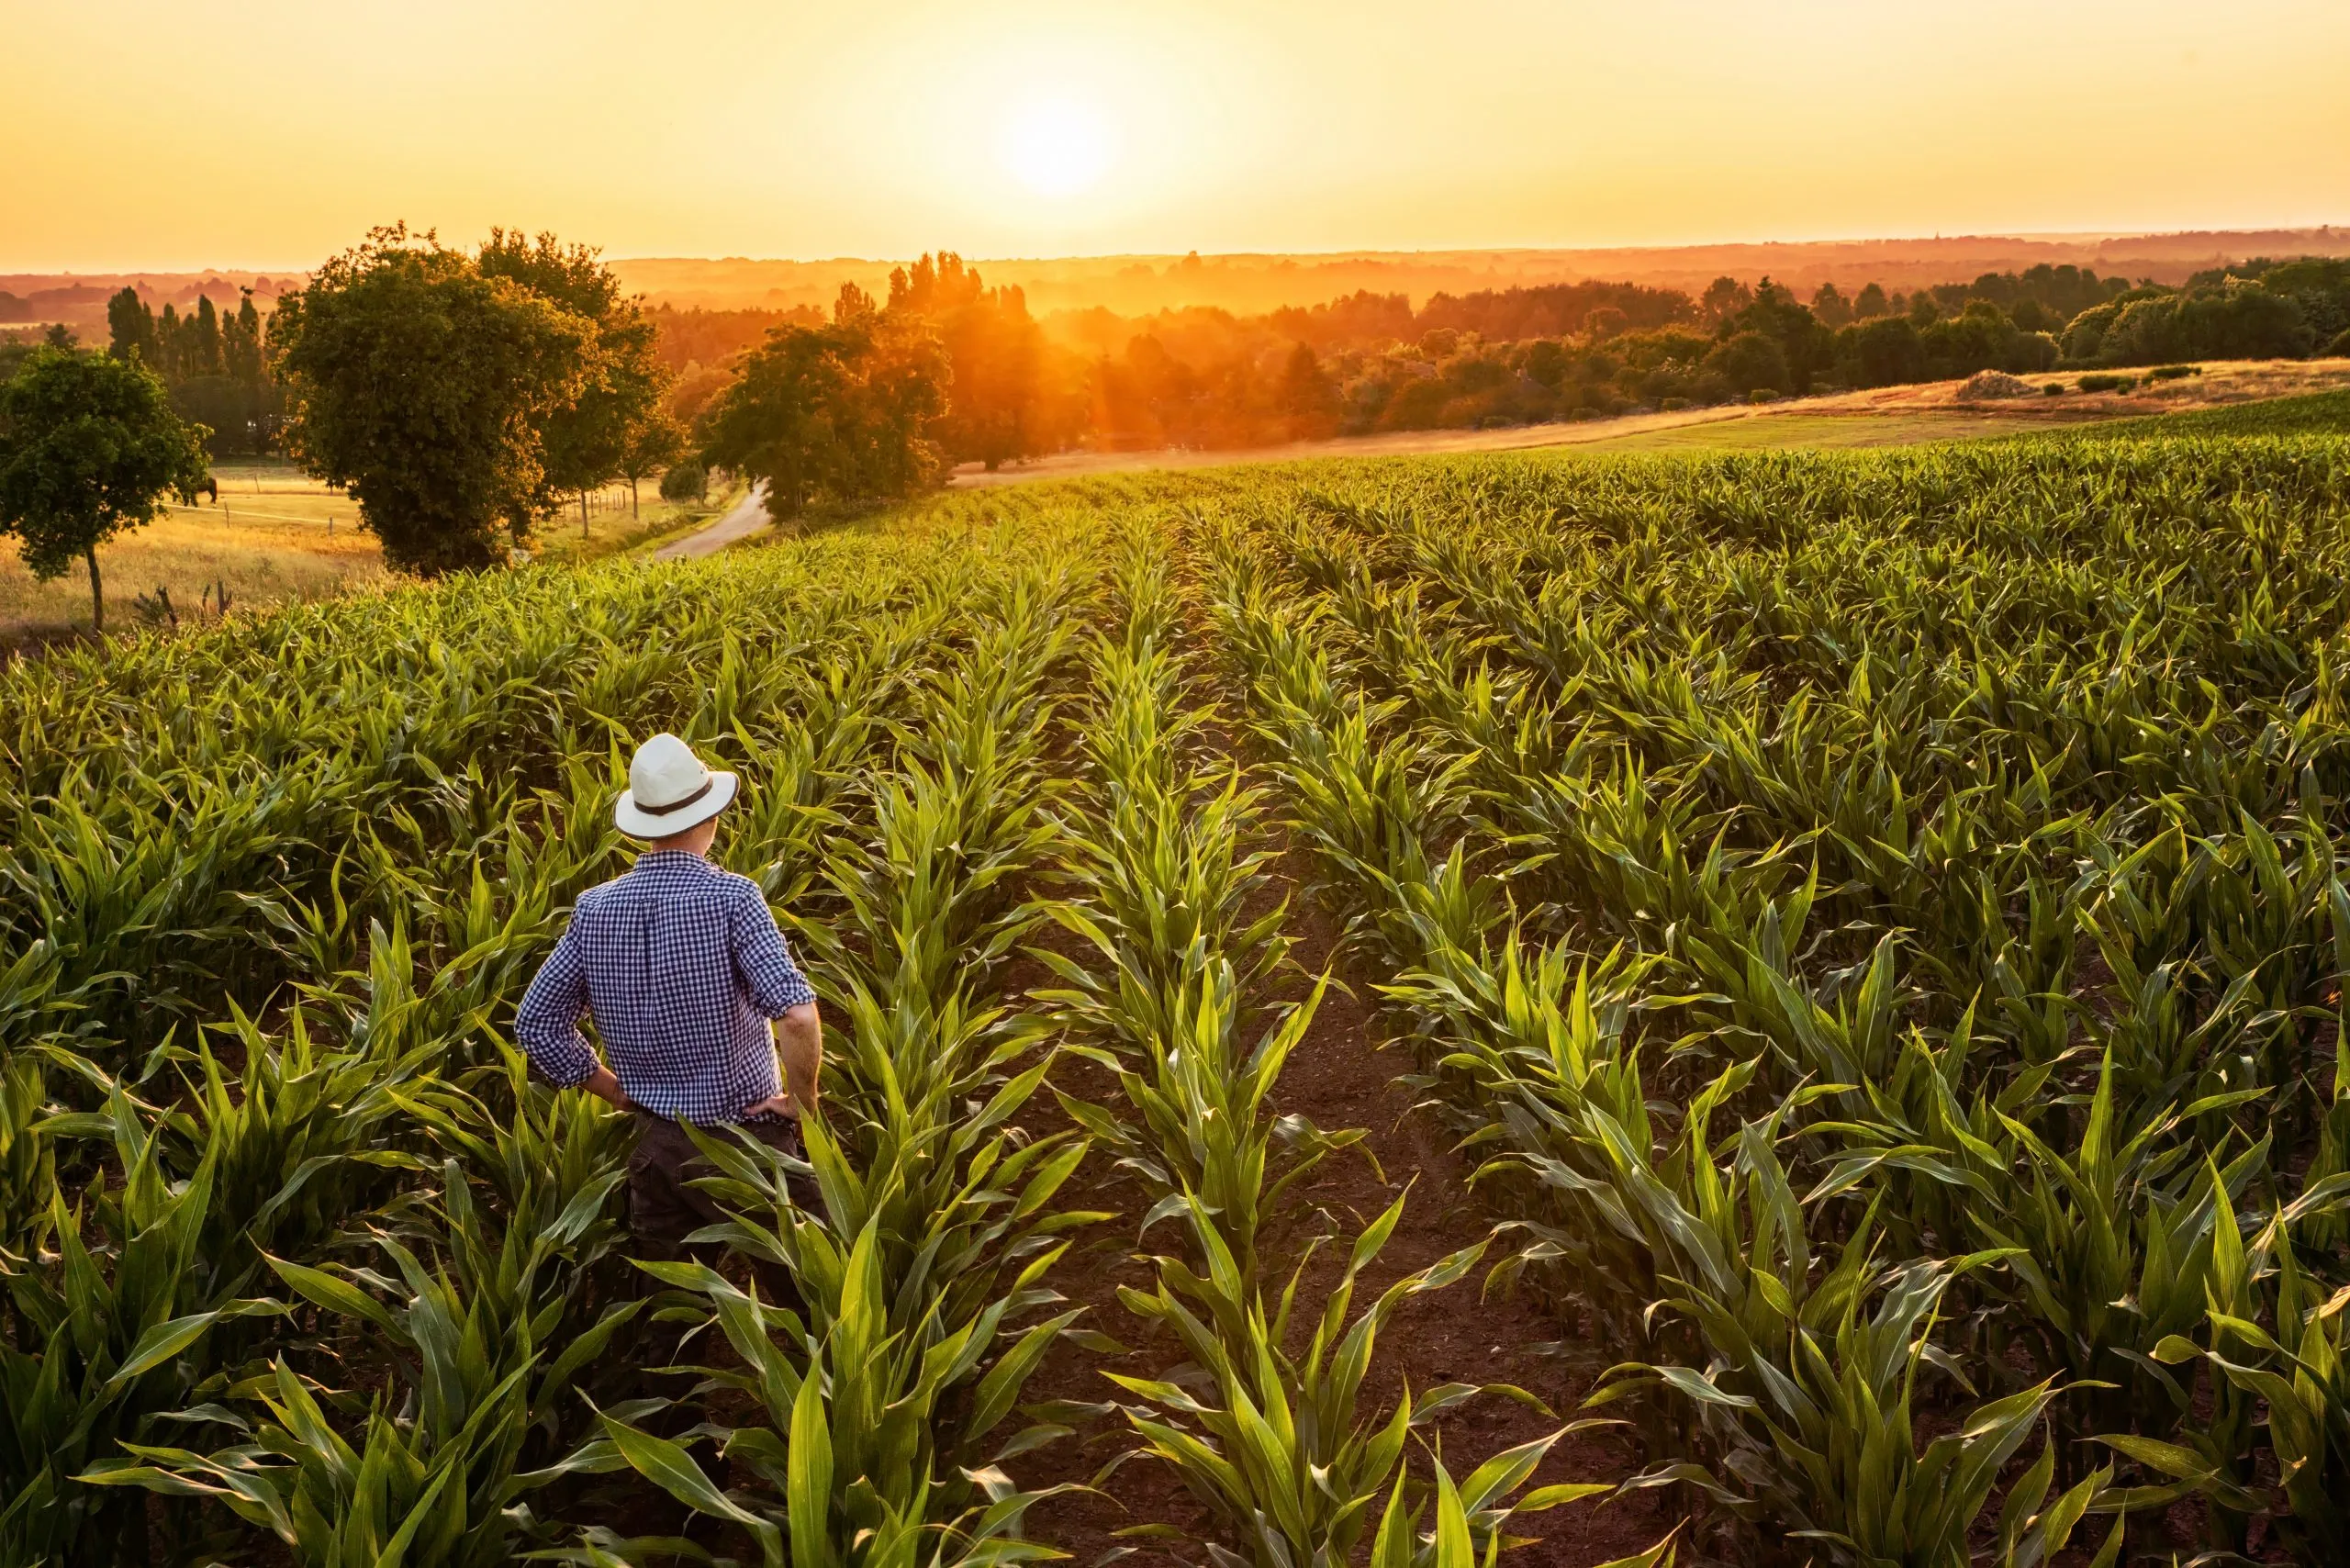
[(799, 1042), (782, 993), (547, 1025)]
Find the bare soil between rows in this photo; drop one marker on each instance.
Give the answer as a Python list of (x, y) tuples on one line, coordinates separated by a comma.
[(1341, 1077)]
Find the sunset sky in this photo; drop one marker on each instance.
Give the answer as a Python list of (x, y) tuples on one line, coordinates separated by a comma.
[(267, 134)]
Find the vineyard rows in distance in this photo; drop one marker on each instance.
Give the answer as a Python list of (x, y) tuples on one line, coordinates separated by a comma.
[(1871, 923)]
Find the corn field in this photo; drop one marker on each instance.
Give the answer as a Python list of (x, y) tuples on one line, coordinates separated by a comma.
[(1871, 925)]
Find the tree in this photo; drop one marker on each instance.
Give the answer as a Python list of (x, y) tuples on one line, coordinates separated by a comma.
[(1750, 360), (89, 446), (60, 337), (1884, 350), (2238, 321), (1831, 305), (1308, 398), (654, 446), (1805, 346), (241, 344), (1871, 303), (167, 342), (1724, 297), (422, 386), (130, 327), (843, 411), (996, 356), (589, 440)]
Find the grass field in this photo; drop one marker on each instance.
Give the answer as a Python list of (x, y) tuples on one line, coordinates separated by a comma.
[(1807, 429), (1836, 956), (2317, 414), (273, 536)]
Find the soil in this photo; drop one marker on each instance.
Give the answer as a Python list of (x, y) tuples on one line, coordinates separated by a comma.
[(1339, 1077)]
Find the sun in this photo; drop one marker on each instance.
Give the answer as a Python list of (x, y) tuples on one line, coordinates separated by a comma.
[(1057, 147)]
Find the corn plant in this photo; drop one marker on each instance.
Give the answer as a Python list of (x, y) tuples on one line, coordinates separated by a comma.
[(1277, 1447), (484, 1348), (107, 1334)]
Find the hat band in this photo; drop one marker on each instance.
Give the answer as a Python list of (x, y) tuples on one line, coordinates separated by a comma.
[(708, 781)]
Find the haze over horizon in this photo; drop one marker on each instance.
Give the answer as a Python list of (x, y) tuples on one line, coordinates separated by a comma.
[(277, 135)]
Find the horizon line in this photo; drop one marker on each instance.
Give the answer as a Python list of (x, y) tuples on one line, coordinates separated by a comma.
[(2078, 237)]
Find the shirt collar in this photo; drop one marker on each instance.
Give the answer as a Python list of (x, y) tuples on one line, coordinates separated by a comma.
[(672, 860)]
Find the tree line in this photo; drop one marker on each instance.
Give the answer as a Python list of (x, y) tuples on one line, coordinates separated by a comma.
[(1366, 361), (214, 365)]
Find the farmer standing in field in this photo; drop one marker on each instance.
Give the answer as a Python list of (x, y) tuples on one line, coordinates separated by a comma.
[(682, 968)]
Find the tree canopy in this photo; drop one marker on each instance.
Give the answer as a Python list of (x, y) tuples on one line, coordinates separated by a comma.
[(610, 427), (426, 386), (841, 412)]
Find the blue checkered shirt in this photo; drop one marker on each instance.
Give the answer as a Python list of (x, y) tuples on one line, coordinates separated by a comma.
[(681, 965)]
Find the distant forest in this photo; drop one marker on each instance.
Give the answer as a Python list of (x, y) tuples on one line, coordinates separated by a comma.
[(1199, 377), (1016, 386)]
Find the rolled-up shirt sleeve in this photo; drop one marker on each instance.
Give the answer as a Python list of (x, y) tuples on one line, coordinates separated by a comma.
[(547, 1024), (771, 979)]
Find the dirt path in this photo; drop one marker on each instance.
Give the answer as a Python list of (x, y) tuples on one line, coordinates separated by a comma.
[(745, 518)]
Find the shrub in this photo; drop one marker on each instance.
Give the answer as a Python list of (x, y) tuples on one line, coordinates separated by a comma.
[(1763, 394), (2054, 389), (2104, 382), (687, 481), (1674, 405), (2173, 372)]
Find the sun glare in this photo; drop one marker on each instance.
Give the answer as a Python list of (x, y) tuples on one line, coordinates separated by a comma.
[(1057, 148)]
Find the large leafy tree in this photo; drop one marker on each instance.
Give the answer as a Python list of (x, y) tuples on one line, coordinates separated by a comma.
[(609, 428), (89, 446), (842, 411), (425, 386)]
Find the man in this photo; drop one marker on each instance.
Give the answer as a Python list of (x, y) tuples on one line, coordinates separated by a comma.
[(683, 968)]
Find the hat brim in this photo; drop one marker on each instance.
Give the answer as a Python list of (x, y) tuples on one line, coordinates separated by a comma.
[(639, 824)]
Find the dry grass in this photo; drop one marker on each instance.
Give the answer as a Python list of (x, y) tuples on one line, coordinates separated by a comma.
[(260, 561), (275, 535)]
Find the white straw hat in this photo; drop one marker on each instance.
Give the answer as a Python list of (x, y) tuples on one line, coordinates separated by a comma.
[(669, 791)]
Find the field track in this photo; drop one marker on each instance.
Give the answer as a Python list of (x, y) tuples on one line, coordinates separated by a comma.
[(745, 519)]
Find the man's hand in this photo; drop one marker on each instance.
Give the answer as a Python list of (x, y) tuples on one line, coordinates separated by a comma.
[(605, 1087)]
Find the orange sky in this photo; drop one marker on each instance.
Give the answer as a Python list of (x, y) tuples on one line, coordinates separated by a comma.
[(275, 131)]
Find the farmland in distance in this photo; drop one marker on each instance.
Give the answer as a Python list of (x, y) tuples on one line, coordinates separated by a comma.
[(1859, 935)]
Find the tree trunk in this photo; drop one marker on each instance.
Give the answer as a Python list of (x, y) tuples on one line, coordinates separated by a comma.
[(583, 514), (631, 497), (97, 592)]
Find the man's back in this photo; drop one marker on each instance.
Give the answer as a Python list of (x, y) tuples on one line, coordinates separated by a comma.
[(682, 966)]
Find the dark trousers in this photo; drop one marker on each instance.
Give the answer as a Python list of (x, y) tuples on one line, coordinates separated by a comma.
[(663, 1209)]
